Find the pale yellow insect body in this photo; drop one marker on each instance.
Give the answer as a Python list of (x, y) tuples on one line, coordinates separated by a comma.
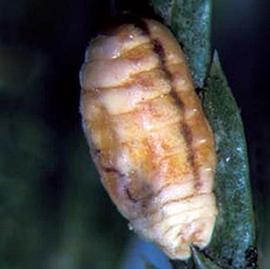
[(148, 136)]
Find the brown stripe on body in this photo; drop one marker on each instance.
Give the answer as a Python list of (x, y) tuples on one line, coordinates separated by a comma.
[(159, 50), (187, 133), (184, 128), (148, 135)]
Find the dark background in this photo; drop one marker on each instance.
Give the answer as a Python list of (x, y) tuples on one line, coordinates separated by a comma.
[(54, 212)]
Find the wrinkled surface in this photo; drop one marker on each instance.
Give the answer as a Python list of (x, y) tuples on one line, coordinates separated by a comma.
[(148, 136)]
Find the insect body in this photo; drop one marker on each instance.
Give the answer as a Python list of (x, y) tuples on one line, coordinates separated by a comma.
[(148, 136)]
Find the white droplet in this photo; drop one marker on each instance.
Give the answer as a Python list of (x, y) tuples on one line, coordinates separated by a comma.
[(130, 227), (208, 169), (201, 141), (227, 159), (181, 82), (116, 55)]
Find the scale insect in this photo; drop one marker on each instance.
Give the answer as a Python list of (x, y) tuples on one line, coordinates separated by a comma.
[(149, 137)]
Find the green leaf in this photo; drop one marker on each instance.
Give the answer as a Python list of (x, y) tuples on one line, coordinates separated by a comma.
[(233, 242), (190, 20), (201, 262)]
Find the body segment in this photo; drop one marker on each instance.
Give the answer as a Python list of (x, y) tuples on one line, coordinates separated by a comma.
[(148, 136)]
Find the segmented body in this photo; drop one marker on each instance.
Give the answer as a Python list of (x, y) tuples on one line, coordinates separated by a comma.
[(148, 135)]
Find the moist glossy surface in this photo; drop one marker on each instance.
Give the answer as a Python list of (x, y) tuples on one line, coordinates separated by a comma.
[(149, 137)]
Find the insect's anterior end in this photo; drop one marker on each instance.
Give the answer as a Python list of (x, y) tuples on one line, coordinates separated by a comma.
[(156, 149)]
